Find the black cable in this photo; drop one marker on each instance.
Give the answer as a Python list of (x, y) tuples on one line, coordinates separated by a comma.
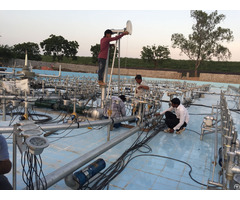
[(34, 171), (118, 166), (13, 118), (154, 155), (193, 131), (63, 132)]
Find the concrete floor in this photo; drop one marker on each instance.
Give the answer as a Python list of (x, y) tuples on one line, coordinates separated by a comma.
[(146, 172)]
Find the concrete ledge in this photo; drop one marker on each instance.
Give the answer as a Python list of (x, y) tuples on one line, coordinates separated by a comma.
[(224, 78)]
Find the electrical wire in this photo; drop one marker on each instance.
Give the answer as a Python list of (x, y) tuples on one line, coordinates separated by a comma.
[(50, 120), (193, 131), (118, 166), (14, 118), (32, 171), (174, 159), (63, 132)]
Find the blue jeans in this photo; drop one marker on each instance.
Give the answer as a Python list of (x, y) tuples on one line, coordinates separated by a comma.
[(101, 68)]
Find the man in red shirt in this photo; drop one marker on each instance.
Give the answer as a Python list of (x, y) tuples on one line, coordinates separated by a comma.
[(102, 56)]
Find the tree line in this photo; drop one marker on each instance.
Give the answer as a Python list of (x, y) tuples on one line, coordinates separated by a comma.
[(55, 46), (203, 44)]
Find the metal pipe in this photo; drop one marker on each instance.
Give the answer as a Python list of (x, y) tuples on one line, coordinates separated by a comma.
[(110, 79), (109, 117), (119, 67), (236, 169), (67, 169), (216, 184), (29, 97), (230, 164), (105, 77), (235, 135), (14, 169), (216, 137), (51, 127), (4, 109)]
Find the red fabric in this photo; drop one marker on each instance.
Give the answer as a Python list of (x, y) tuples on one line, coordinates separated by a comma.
[(104, 45)]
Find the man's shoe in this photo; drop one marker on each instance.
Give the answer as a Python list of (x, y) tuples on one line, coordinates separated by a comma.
[(101, 83), (167, 130), (180, 131)]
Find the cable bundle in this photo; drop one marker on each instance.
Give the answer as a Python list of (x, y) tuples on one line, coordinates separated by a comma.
[(119, 165), (32, 171)]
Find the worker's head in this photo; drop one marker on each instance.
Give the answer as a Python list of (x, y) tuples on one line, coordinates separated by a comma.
[(122, 97), (175, 102), (138, 79), (108, 33)]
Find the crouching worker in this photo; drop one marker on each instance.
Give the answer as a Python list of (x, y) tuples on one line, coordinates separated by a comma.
[(178, 121), (117, 109)]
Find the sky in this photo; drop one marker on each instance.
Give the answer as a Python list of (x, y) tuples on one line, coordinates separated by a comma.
[(153, 22)]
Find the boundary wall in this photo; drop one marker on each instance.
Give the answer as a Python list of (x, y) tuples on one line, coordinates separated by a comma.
[(208, 77)]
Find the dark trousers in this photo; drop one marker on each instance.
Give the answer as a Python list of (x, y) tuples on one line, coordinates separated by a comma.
[(117, 125), (101, 68), (172, 120), (4, 183)]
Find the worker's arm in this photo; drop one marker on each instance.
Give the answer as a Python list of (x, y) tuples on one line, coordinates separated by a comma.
[(181, 120), (145, 87), (119, 36), (169, 109)]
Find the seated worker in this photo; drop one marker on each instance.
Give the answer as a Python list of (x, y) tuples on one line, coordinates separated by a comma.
[(5, 165), (140, 90), (141, 87), (179, 120), (117, 108)]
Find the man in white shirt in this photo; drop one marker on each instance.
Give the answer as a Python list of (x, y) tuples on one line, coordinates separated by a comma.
[(178, 121), (141, 87)]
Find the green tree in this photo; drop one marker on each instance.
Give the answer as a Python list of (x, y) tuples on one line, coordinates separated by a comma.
[(96, 49), (205, 41), (32, 49), (70, 49), (58, 46), (156, 54), (5, 53)]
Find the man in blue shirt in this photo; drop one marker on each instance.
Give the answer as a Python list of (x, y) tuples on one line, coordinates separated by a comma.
[(5, 165)]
